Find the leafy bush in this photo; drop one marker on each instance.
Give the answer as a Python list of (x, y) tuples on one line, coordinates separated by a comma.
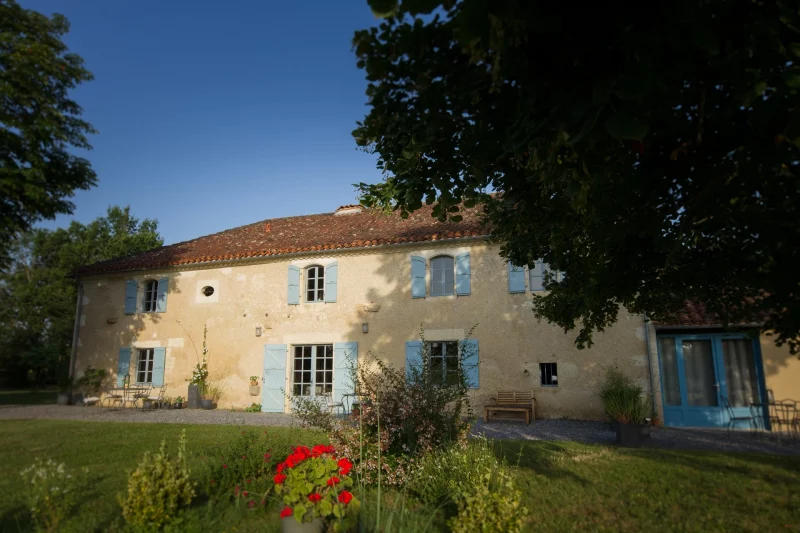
[(91, 382), (50, 493), (315, 483), (483, 510), (159, 489), (312, 414), (622, 400), (243, 466), (254, 408), (448, 474)]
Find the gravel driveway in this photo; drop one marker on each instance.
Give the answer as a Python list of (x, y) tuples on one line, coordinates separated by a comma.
[(552, 430)]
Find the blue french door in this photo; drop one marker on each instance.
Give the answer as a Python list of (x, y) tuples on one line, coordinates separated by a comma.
[(701, 374)]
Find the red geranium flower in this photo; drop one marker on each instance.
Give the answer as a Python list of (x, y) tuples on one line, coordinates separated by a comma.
[(345, 497), (224, 466), (281, 466), (314, 497), (279, 478), (267, 456), (333, 481), (286, 512), (245, 493), (320, 449), (344, 465)]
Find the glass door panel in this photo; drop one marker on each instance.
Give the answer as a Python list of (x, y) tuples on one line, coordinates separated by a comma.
[(701, 379), (669, 371), (740, 372)]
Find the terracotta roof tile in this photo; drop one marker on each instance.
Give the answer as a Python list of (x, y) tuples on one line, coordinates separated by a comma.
[(280, 236)]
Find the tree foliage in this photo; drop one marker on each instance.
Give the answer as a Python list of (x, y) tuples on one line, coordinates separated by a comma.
[(650, 152), (39, 123), (37, 294)]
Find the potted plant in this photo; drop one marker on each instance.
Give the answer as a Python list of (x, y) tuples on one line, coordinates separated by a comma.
[(197, 383), (178, 403), (627, 408), (314, 485), (253, 381)]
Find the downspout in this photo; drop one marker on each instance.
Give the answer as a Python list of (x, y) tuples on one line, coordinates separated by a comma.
[(649, 364), (76, 330)]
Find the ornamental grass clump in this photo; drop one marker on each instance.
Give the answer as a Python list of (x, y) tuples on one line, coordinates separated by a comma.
[(50, 493), (159, 489), (315, 483), (623, 401)]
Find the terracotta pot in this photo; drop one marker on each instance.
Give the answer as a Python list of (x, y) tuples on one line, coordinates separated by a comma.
[(290, 525), (253, 382)]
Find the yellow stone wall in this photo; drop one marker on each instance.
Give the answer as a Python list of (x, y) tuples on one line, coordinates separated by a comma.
[(373, 288), (781, 370)]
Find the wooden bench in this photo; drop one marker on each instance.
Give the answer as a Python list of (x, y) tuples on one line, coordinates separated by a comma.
[(511, 402)]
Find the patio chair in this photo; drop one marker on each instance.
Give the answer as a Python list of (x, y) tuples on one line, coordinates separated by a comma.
[(143, 393), (332, 405), (734, 419), (156, 396), (112, 395), (129, 395)]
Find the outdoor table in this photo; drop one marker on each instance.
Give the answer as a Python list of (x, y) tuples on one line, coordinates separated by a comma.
[(130, 390), (782, 412)]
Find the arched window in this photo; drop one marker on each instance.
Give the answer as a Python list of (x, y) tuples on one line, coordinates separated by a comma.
[(315, 284), (150, 296), (442, 276)]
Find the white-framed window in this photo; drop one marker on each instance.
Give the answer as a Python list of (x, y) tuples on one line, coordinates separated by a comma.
[(444, 361), (549, 374), (144, 366), (312, 369), (150, 296), (315, 284), (442, 276)]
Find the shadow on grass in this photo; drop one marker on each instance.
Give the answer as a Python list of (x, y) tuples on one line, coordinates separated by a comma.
[(27, 397), (542, 457)]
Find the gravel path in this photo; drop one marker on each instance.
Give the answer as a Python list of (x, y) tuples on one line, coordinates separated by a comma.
[(161, 416), (665, 438), (550, 430)]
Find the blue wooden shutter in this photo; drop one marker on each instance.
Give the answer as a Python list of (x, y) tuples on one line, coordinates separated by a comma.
[(413, 357), (123, 365), (272, 393), (462, 274), (345, 358), (417, 277), (471, 361), (294, 285), (159, 357), (331, 277), (131, 290), (536, 272), (161, 299), (516, 279)]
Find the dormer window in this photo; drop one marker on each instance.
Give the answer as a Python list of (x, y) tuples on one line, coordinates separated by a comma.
[(442, 276), (315, 284), (150, 299)]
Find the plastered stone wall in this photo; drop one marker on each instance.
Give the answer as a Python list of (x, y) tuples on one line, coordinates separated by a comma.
[(781, 370), (373, 288)]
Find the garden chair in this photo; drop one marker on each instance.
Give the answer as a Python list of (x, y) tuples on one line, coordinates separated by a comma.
[(112, 395), (734, 419), (332, 405), (143, 394), (129, 395), (156, 396)]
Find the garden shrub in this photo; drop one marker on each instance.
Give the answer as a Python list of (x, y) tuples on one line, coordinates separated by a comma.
[(50, 493), (622, 400), (447, 474), (404, 415), (243, 466), (483, 510), (159, 489)]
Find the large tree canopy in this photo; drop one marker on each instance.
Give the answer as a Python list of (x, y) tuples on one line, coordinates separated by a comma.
[(39, 123), (649, 152), (37, 295)]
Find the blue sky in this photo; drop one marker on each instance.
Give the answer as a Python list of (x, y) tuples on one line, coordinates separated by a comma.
[(212, 115)]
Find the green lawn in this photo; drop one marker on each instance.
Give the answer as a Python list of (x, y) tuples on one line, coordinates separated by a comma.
[(27, 397), (567, 487)]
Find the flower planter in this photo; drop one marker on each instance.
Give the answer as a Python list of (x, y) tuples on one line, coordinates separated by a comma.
[(632, 435), (177, 405), (63, 398), (290, 525), (193, 397), (206, 404), (254, 389)]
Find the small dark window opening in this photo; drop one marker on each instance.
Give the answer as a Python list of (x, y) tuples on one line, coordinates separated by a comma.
[(549, 374), (208, 291)]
